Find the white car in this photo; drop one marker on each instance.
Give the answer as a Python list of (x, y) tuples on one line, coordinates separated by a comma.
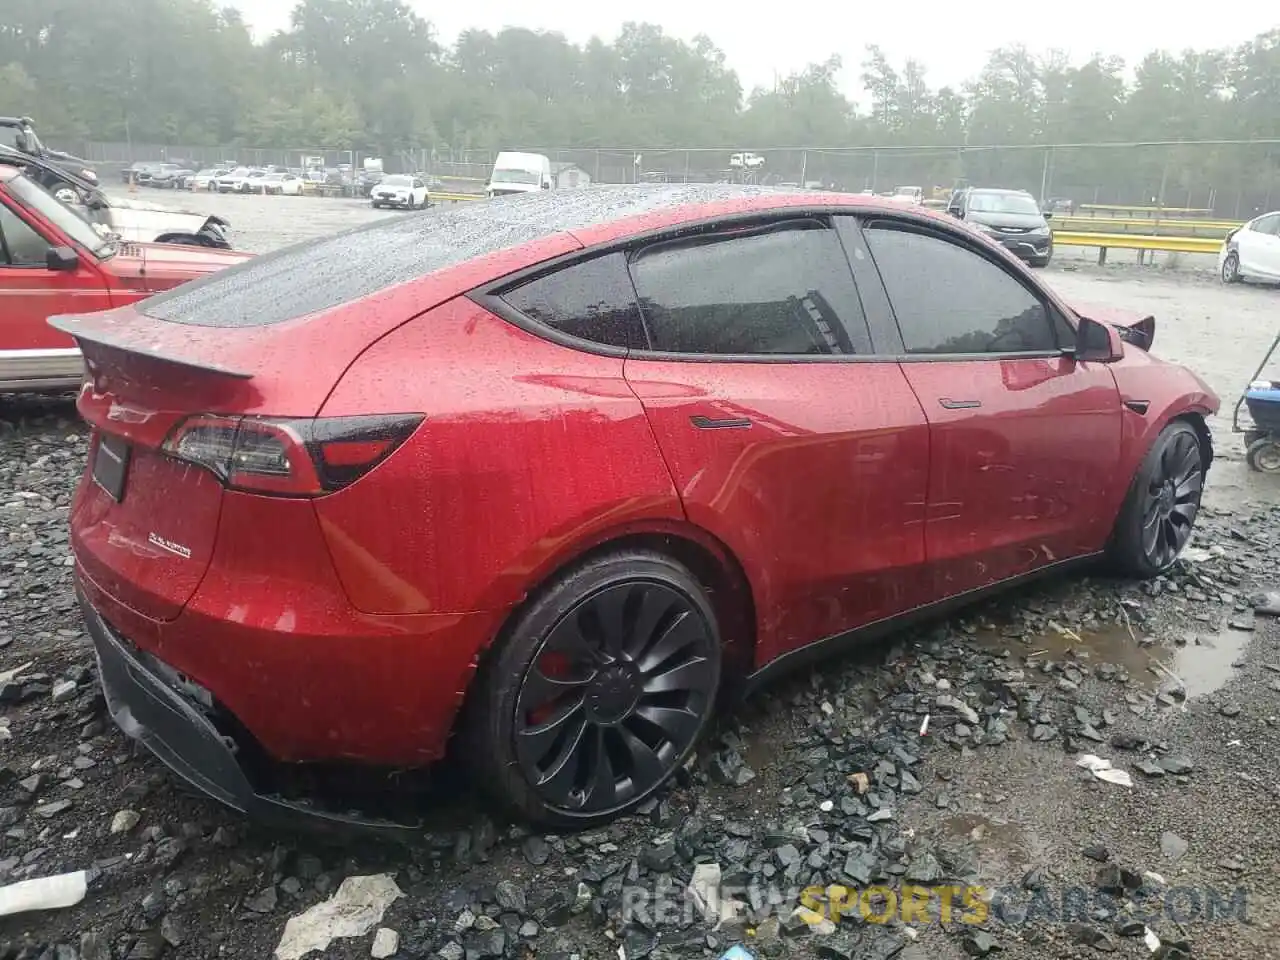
[(285, 184), (913, 195), (748, 160), (1252, 252), (239, 180), (203, 179), (400, 190)]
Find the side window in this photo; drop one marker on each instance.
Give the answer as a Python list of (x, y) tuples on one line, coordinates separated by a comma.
[(1267, 224), (783, 289), (418, 184), (592, 300), (948, 299), (20, 246)]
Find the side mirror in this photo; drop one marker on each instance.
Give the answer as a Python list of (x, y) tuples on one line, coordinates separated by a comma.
[(62, 258), (1048, 214), (546, 184), (1097, 342)]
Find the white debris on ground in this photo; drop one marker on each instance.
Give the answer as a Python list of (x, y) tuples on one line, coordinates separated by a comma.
[(355, 909)]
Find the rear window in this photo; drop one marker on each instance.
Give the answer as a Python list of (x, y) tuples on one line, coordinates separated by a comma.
[(321, 274)]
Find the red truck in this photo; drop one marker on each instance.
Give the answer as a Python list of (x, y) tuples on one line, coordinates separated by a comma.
[(54, 261)]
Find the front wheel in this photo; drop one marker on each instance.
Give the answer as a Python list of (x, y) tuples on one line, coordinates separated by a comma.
[(1263, 455), (1160, 508), (1231, 268), (598, 693)]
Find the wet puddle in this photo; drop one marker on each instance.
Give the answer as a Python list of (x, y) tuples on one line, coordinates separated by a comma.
[(1000, 848), (1203, 663)]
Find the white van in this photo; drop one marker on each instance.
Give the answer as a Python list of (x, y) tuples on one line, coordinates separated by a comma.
[(519, 173)]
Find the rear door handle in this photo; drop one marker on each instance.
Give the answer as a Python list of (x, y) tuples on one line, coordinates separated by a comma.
[(950, 404)]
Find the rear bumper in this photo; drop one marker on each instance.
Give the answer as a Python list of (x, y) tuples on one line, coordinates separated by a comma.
[(151, 707), (40, 370)]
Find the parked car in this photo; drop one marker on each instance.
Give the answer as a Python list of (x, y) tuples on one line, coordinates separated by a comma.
[(400, 190), (1252, 251), (1009, 217), (286, 184), (167, 176), (52, 261), (203, 179), (19, 133), (914, 195), (126, 218), (1062, 205), (239, 180), (549, 472)]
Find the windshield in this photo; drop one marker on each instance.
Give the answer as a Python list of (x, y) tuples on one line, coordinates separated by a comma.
[(506, 175), (396, 181), (66, 219), (274, 176), (1003, 203), (207, 173)]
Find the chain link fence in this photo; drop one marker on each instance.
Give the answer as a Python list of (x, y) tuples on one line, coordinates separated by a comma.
[(1231, 179)]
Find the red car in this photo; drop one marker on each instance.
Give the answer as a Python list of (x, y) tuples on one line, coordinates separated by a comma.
[(54, 261), (549, 471)]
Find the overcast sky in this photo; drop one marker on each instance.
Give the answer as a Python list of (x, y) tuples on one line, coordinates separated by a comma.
[(760, 39)]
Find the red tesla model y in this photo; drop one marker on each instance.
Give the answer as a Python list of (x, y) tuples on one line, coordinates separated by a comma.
[(547, 473)]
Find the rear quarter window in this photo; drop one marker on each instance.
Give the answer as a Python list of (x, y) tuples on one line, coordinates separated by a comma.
[(592, 300)]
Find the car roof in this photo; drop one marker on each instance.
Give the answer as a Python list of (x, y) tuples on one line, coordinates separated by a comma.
[(517, 232)]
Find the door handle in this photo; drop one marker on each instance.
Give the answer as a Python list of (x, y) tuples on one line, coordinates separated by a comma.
[(950, 404), (707, 423)]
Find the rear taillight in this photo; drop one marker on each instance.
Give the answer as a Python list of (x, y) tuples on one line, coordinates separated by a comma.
[(289, 457)]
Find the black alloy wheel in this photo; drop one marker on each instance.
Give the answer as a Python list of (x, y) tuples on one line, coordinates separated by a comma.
[(1160, 510), (615, 696), (600, 692)]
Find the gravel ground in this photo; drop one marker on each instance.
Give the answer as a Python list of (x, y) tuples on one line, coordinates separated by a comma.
[(824, 780)]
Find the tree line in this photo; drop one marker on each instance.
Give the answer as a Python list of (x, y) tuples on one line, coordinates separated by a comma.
[(372, 75)]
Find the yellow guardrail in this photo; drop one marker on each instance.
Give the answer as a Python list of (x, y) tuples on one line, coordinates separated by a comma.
[(456, 197), (1143, 243), (1156, 226), (1139, 207)]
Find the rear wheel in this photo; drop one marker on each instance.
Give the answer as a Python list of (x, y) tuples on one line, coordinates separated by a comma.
[(1231, 268), (1160, 509), (599, 692), (1263, 455)]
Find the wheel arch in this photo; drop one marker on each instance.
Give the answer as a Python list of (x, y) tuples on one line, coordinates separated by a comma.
[(710, 561)]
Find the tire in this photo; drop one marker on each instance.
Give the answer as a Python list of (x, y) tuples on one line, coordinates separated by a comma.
[(535, 742), (1039, 262), (1160, 509), (1263, 455), (1231, 268)]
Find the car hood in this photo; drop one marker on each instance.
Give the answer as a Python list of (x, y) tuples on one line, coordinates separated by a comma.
[(1022, 220), (159, 266), (61, 157)]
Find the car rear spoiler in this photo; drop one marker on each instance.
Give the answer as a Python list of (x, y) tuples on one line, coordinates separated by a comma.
[(101, 333)]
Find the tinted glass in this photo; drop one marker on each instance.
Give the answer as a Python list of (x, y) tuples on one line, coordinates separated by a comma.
[(1267, 224), (785, 290), (22, 246), (951, 300), (591, 300)]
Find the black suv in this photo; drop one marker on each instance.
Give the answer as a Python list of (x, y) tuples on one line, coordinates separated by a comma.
[(1010, 217), (18, 133)]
